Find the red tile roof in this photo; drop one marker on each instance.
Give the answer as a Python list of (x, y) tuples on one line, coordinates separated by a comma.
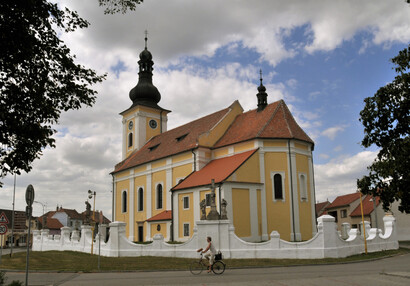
[(368, 207), (72, 213), (167, 143), (219, 170), (344, 200), (320, 208), (165, 215), (53, 223), (275, 121), (96, 217)]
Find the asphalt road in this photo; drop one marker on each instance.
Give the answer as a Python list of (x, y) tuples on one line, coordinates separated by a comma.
[(388, 271)]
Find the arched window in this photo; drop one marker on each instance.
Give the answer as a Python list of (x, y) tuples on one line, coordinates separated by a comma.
[(277, 187), (303, 187), (130, 139), (140, 199), (124, 201), (159, 196)]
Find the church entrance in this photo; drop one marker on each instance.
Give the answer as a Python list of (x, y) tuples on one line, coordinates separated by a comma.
[(140, 233)]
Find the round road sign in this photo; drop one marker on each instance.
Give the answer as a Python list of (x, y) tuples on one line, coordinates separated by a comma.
[(3, 229), (29, 195)]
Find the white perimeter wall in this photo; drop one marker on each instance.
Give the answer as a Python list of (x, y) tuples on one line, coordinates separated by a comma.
[(326, 243)]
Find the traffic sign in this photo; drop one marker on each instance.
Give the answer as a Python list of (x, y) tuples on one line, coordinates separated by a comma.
[(3, 229), (29, 195), (3, 218)]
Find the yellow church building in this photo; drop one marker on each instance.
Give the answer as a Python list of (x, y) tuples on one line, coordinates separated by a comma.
[(260, 161)]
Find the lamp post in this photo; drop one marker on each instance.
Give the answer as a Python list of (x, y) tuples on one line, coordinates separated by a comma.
[(363, 226), (29, 211), (90, 196), (12, 218)]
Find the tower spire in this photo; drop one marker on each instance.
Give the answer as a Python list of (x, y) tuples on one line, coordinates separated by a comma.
[(145, 93), (146, 38), (262, 95)]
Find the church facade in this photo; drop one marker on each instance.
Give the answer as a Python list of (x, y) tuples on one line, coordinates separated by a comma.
[(260, 162)]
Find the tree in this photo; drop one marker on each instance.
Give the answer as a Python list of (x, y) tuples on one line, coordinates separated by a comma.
[(386, 121), (38, 79), (115, 6)]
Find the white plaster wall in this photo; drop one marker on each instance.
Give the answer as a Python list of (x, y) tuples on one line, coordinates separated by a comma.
[(326, 242)]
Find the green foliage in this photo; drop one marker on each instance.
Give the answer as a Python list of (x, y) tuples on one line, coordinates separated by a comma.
[(115, 6), (16, 283), (386, 121), (38, 79), (2, 278)]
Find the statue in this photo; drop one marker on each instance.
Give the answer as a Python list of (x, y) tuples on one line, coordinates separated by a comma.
[(87, 213), (202, 205), (223, 209), (213, 213)]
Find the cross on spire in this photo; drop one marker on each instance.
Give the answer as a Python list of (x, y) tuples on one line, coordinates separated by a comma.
[(260, 72), (146, 38)]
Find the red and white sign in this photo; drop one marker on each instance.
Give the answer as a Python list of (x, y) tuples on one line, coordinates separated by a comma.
[(3, 218), (3, 229)]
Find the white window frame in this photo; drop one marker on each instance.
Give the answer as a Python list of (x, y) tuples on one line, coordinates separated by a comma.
[(122, 201), (183, 229), (272, 175), (303, 188), (138, 199), (183, 202)]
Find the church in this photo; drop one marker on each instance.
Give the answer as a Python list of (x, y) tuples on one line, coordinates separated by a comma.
[(259, 162)]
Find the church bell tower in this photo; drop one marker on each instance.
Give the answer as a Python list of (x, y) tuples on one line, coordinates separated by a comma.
[(145, 118)]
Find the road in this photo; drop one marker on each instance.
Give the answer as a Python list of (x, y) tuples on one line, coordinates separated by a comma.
[(388, 271)]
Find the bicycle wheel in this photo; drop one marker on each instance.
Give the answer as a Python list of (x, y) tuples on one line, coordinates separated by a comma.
[(218, 267), (196, 267)]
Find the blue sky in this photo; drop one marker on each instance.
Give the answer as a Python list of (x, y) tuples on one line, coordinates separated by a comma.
[(322, 57)]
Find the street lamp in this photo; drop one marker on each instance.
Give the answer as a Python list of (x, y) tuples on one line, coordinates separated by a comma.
[(90, 196)]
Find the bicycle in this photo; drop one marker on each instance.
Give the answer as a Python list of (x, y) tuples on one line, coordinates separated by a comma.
[(197, 267)]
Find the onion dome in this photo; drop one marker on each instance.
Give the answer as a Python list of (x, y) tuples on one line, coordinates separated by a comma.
[(262, 95), (145, 93)]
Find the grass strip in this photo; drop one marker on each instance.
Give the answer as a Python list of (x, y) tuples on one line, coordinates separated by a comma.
[(71, 261)]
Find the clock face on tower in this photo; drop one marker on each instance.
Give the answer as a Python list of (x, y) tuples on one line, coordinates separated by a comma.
[(153, 124), (130, 124)]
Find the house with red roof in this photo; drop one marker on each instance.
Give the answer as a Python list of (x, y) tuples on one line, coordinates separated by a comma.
[(347, 209), (260, 162)]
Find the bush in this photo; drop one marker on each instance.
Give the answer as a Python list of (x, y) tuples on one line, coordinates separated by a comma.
[(3, 280)]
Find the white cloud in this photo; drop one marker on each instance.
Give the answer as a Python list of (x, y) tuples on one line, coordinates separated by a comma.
[(338, 177), (332, 132), (324, 156), (201, 27)]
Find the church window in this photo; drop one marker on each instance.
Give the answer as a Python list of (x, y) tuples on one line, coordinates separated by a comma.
[(277, 183), (208, 200), (303, 187), (130, 140), (140, 199), (159, 196), (180, 138), (153, 147), (186, 202), (186, 229), (124, 201)]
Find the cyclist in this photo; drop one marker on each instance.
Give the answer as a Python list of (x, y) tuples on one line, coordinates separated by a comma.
[(210, 252)]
